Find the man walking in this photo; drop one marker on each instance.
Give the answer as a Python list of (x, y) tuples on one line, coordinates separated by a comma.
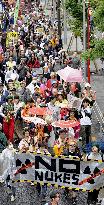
[(54, 198)]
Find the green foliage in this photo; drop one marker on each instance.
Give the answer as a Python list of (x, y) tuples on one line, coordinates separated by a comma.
[(75, 27), (76, 11), (99, 16), (96, 52), (75, 8)]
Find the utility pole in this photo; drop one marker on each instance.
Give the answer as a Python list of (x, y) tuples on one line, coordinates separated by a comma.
[(65, 26), (88, 62), (59, 18), (54, 9), (84, 35)]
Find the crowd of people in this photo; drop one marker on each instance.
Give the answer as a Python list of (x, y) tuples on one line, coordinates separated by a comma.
[(33, 97)]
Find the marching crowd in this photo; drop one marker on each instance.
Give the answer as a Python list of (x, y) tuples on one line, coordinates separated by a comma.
[(33, 97)]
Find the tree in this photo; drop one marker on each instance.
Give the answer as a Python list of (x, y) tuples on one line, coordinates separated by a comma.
[(75, 8), (96, 52), (97, 45), (99, 15)]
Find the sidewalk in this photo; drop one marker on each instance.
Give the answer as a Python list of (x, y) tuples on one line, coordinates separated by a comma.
[(97, 81)]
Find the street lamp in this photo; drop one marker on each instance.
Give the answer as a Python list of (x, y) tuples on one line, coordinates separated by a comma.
[(88, 37)]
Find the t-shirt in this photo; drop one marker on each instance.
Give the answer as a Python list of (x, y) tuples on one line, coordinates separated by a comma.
[(86, 116)]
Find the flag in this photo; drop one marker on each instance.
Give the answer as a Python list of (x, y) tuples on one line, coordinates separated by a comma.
[(16, 11)]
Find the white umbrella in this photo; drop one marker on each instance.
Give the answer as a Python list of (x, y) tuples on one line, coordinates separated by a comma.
[(69, 74), (35, 120)]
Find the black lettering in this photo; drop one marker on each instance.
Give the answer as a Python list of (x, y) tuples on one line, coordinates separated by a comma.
[(52, 167), (58, 177), (39, 176), (66, 178), (75, 177), (67, 162), (48, 178)]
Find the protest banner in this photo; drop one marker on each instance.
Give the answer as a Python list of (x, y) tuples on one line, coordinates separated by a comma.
[(64, 171), (40, 30), (73, 101), (16, 11), (12, 38)]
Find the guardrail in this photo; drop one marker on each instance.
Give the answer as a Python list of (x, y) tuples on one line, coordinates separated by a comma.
[(70, 43), (98, 114)]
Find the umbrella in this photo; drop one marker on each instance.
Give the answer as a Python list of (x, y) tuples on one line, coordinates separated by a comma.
[(65, 124), (35, 120), (69, 74), (39, 111)]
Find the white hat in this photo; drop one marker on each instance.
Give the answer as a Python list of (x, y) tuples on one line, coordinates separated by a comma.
[(87, 85)]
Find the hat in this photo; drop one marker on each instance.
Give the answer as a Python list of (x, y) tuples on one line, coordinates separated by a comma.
[(87, 85), (60, 93), (56, 58)]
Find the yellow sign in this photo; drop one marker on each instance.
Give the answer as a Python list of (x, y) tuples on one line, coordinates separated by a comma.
[(12, 37), (40, 30)]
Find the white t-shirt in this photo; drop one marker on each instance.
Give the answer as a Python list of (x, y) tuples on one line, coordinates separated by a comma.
[(85, 120), (94, 156)]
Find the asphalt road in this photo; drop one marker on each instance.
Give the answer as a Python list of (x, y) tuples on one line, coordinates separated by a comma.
[(27, 195)]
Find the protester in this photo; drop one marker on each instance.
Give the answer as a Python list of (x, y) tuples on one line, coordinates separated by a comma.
[(94, 155), (72, 151), (85, 121), (33, 97), (9, 166), (89, 93), (25, 143), (60, 143), (3, 139), (55, 197)]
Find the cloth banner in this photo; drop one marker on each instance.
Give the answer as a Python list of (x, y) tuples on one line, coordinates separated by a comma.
[(73, 101), (63, 171), (12, 38), (40, 30), (16, 11)]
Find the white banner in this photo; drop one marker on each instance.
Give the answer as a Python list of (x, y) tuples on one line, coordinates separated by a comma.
[(64, 172)]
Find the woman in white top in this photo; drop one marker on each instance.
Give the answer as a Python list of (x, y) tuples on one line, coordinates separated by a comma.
[(8, 167), (25, 142), (94, 155)]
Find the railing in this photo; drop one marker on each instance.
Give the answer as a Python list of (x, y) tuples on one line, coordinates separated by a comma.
[(70, 43), (98, 115)]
